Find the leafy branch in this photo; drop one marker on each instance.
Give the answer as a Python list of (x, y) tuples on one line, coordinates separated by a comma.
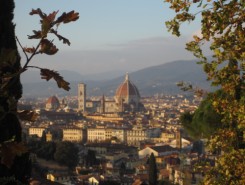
[(46, 46), (222, 26)]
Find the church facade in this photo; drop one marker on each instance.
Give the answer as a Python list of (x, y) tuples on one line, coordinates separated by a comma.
[(127, 98)]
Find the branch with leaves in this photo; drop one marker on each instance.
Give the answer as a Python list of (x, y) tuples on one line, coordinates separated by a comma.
[(49, 25), (11, 146), (223, 27)]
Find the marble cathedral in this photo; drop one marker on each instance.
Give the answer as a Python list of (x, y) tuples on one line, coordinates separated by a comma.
[(127, 98)]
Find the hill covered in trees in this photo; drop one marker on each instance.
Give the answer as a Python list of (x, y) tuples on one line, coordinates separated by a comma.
[(151, 80)]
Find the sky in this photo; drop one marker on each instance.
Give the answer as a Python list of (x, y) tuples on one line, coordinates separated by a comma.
[(110, 35)]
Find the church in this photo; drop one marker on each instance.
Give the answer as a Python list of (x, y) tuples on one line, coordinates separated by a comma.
[(126, 99)]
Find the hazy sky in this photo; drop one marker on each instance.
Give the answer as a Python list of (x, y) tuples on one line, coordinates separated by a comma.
[(123, 35)]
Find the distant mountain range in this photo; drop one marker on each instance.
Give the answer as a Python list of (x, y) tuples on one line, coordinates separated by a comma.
[(151, 80)]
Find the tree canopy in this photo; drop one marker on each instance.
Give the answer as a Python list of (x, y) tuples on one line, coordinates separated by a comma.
[(223, 27), (204, 122), (66, 154), (152, 170)]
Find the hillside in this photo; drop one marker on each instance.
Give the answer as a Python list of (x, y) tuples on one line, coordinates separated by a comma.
[(151, 80)]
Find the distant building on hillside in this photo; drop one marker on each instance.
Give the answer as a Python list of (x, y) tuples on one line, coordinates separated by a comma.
[(127, 98)]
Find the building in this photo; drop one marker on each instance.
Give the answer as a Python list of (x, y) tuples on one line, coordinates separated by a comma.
[(127, 98), (97, 134), (59, 177), (136, 135), (74, 134), (167, 136), (52, 103), (101, 134), (115, 135), (38, 131), (157, 151), (49, 136)]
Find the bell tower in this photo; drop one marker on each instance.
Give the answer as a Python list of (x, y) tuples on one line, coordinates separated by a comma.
[(82, 97)]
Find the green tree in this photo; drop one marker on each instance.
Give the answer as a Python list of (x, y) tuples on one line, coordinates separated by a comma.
[(122, 169), (43, 138), (152, 170), (66, 154), (46, 150), (197, 147), (203, 122), (222, 26), (90, 158)]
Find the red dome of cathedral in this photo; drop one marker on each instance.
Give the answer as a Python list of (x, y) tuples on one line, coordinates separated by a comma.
[(52, 103), (127, 92)]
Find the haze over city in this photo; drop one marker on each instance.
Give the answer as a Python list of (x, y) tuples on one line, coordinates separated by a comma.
[(110, 35)]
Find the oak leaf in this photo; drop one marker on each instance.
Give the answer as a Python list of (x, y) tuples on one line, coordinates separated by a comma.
[(38, 12), (47, 22), (68, 17), (65, 40), (51, 16), (48, 47), (28, 115), (49, 74), (29, 50), (37, 35)]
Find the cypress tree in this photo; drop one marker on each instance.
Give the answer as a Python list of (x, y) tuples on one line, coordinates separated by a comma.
[(10, 93), (152, 170)]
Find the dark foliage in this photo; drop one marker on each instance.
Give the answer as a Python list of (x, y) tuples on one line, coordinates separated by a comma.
[(90, 158), (109, 182), (66, 154), (203, 122), (10, 92), (152, 170)]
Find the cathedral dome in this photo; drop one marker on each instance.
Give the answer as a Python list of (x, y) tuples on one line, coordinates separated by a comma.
[(52, 103), (127, 92)]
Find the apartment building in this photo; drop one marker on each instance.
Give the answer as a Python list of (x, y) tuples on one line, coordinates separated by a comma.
[(38, 131), (137, 134), (96, 134), (74, 134)]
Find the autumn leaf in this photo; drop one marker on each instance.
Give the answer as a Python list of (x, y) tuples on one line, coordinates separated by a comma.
[(29, 50), (9, 150), (51, 16), (47, 23), (67, 17), (38, 12), (49, 74), (48, 47), (28, 115), (37, 35), (65, 40)]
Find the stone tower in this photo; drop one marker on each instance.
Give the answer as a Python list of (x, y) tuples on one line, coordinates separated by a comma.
[(82, 97), (179, 139)]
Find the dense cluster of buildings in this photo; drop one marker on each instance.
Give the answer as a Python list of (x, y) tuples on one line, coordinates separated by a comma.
[(123, 130)]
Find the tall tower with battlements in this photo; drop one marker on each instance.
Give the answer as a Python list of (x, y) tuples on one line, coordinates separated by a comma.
[(82, 97)]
